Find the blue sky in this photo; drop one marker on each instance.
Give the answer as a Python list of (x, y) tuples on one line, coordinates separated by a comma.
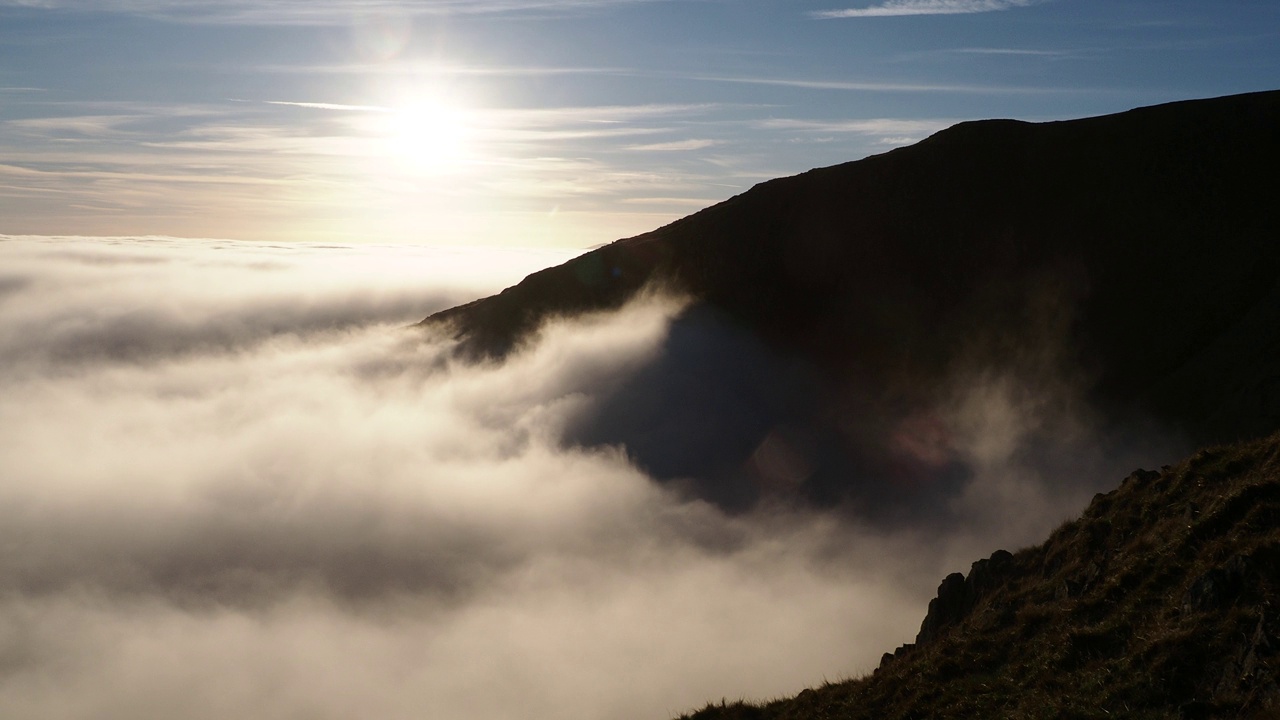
[(539, 122)]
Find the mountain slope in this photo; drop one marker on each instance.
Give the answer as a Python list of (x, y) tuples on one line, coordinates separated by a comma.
[(1160, 601), (1160, 219), (1130, 258)]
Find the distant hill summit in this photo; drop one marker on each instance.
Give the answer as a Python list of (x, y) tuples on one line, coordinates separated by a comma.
[(1136, 253), (1161, 601)]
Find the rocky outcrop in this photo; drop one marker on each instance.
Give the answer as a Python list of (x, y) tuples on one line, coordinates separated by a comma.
[(950, 607), (957, 597)]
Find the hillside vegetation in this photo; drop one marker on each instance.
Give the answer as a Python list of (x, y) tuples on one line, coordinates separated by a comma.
[(1161, 601)]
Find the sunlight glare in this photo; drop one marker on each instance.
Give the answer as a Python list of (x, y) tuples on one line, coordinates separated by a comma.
[(427, 136)]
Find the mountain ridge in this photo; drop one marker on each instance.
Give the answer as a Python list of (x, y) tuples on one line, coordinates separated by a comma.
[(1130, 255)]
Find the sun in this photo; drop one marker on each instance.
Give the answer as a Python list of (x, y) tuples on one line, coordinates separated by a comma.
[(428, 136)]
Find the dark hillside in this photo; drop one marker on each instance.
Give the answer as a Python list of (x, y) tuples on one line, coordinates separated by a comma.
[(1163, 219), (1161, 601), (1134, 256)]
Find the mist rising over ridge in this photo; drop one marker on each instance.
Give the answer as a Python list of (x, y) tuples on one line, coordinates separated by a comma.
[(1092, 277)]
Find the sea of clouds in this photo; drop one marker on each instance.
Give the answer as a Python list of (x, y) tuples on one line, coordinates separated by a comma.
[(235, 484)]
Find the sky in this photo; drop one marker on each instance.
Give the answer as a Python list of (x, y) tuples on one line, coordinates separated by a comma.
[(538, 123)]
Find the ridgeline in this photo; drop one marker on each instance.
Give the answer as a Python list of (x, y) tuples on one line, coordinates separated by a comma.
[(1132, 256)]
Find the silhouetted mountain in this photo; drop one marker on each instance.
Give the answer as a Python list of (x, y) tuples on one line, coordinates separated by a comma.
[(1132, 257), (1159, 602)]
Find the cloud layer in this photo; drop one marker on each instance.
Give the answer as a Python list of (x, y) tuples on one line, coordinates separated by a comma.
[(233, 488), (233, 484), (894, 8)]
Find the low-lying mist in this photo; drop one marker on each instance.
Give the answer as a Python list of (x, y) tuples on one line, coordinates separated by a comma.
[(233, 484)]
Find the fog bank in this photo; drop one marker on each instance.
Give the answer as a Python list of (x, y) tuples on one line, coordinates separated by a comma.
[(233, 484)]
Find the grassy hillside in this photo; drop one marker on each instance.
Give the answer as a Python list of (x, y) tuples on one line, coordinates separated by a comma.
[(1161, 601)]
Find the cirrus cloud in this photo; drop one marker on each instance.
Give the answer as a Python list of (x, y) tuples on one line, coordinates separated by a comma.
[(893, 8), (305, 12)]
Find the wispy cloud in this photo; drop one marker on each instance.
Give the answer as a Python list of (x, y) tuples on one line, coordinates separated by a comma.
[(888, 132), (893, 8), (557, 116), (996, 54), (681, 201), (331, 106), (306, 12), (79, 125), (874, 126), (676, 145), (890, 87), (324, 168), (433, 69), (1008, 51)]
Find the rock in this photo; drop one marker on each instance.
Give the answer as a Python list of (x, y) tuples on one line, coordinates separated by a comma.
[(901, 651), (957, 595), (1142, 477), (986, 574), (944, 610)]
